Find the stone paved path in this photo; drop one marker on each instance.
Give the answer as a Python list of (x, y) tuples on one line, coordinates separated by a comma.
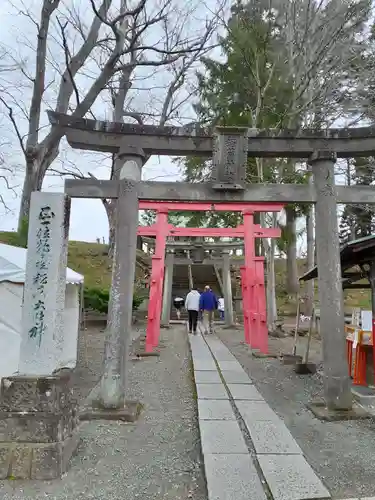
[(248, 451)]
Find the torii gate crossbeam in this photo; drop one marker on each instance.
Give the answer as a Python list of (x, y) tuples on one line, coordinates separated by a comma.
[(207, 207), (234, 232)]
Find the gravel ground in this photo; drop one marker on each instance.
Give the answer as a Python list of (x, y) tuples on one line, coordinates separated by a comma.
[(342, 453), (158, 457)]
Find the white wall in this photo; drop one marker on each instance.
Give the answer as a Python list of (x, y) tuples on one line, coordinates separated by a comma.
[(11, 320), (71, 320)]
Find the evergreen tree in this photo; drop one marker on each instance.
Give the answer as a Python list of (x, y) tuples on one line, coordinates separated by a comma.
[(358, 221), (286, 63), (148, 218), (228, 97)]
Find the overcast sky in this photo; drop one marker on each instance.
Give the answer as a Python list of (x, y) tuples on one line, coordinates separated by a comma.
[(88, 218)]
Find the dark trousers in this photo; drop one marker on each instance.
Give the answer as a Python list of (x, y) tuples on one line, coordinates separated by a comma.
[(193, 320)]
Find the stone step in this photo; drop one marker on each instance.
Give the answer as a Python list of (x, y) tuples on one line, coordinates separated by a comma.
[(291, 477), (232, 477)]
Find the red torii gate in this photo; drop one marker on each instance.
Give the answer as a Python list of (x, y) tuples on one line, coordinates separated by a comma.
[(252, 273)]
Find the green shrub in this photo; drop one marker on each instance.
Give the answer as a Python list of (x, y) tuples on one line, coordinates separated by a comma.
[(97, 299), (137, 301)]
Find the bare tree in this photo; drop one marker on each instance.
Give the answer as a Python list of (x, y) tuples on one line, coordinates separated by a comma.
[(168, 111), (324, 45), (112, 48), (126, 92), (7, 167)]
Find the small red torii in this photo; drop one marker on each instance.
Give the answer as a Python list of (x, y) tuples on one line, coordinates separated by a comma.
[(252, 273)]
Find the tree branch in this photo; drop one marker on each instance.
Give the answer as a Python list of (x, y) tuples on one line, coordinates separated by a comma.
[(136, 116), (68, 59), (79, 59), (49, 6), (15, 126)]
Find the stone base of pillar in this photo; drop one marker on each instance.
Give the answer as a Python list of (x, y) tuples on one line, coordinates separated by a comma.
[(129, 413), (38, 426), (92, 409), (144, 354), (262, 355), (320, 410)]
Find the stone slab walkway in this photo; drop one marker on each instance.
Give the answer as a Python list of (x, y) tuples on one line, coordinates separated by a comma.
[(341, 453), (247, 449)]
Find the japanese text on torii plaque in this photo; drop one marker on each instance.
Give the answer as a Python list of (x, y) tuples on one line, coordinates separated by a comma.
[(43, 248)]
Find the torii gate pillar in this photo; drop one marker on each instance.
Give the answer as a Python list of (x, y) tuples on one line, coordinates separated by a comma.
[(112, 386), (336, 380), (156, 281), (167, 291), (227, 285)]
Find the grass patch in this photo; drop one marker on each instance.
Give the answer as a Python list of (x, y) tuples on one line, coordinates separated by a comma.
[(89, 259)]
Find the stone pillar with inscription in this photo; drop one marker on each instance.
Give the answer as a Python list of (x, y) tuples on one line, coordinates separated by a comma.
[(45, 283), (38, 408)]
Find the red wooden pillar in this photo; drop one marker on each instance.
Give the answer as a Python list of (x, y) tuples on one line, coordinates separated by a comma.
[(260, 306), (156, 282), (248, 275), (245, 306)]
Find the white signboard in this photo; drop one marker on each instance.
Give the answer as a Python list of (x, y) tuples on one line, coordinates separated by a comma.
[(366, 320)]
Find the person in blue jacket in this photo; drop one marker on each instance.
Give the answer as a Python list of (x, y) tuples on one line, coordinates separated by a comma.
[(207, 305)]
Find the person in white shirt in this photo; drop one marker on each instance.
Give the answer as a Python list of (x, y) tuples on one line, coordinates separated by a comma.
[(221, 308), (192, 307)]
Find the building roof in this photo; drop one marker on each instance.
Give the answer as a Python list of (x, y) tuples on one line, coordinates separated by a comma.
[(13, 266), (353, 253)]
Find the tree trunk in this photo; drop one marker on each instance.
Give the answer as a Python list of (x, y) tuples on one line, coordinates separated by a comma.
[(110, 208), (271, 288), (269, 251), (310, 260), (37, 164), (31, 183), (259, 247), (292, 285)]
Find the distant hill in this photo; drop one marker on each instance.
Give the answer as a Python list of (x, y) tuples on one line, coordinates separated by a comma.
[(89, 259)]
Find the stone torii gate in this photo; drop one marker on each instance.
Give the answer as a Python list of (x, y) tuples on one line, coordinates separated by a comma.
[(230, 148), (39, 392)]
